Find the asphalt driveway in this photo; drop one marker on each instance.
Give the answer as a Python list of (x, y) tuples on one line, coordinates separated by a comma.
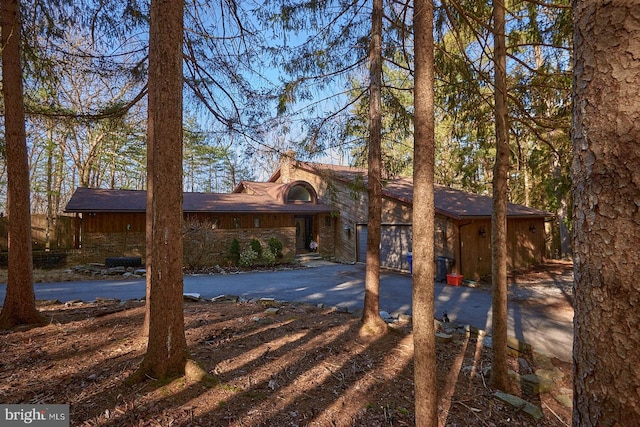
[(339, 285)]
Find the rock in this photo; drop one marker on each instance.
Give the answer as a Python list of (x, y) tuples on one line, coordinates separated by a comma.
[(272, 311), (405, 317), (521, 404), (565, 400), (107, 300), (191, 297), (385, 315), (73, 302), (225, 298), (542, 360), (442, 337), (555, 374), (533, 384), (267, 302), (523, 364), (116, 270), (513, 376), (449, 328)]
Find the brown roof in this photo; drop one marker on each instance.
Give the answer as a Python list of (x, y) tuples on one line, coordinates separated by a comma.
[(102, 200), (451, 202)]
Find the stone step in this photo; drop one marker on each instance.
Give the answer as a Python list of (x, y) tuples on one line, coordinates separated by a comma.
[(307, 257)]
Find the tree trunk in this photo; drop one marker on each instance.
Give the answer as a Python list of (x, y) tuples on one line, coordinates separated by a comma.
[(499, 376), (372, 322), (606, 192), (562, 213), (19, 304), (166, 350), (424, 361)]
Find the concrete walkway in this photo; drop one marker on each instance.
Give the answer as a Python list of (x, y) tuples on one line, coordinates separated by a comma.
[(342, 285)]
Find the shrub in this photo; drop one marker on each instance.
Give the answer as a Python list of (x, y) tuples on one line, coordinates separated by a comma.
[(199, 242), (234, 251), (256, 246), (276, 247), (269, 257), (248, 258)]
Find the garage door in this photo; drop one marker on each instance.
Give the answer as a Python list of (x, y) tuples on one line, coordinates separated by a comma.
[(395, 242), (361, 231)]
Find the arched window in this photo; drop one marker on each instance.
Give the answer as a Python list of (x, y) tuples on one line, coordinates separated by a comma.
[(298, 193)]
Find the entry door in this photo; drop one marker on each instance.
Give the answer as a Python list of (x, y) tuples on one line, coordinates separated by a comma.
[(301, 233)]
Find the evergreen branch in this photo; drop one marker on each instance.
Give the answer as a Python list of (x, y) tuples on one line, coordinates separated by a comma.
[(115, 111)]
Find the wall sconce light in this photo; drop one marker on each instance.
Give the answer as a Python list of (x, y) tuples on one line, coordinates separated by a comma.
[(482, 232), (532, 228), (347, 230)]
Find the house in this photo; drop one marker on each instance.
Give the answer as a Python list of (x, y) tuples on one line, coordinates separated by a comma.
[(112, 222), (328, 204), (462, 222)]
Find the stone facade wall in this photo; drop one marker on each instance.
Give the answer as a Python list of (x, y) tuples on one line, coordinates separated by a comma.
[(326, 235), (96, 247), (209, 250), (215, 249)]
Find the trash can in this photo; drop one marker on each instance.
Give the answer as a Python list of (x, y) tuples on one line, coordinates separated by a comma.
[(410, 261), (443, 267)]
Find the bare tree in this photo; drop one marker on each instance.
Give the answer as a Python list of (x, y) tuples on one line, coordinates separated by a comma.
[(426, 402), (606, 192), (19, 303)]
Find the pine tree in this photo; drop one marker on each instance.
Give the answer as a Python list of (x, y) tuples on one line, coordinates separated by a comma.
[(19, 306), (606, 191)]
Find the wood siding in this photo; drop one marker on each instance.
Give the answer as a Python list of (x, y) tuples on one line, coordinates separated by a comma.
[(525, 246), (62, 233)]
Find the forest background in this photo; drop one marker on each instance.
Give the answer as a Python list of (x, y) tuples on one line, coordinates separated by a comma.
[(265, 77)]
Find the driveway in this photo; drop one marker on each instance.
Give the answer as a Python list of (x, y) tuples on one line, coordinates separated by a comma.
[(342, 285)]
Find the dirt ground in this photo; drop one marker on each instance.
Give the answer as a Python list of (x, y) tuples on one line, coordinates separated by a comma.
[(299, 365)]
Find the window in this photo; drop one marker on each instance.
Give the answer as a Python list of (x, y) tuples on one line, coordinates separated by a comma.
[(299, 193), (236, 222), (256, 222)]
